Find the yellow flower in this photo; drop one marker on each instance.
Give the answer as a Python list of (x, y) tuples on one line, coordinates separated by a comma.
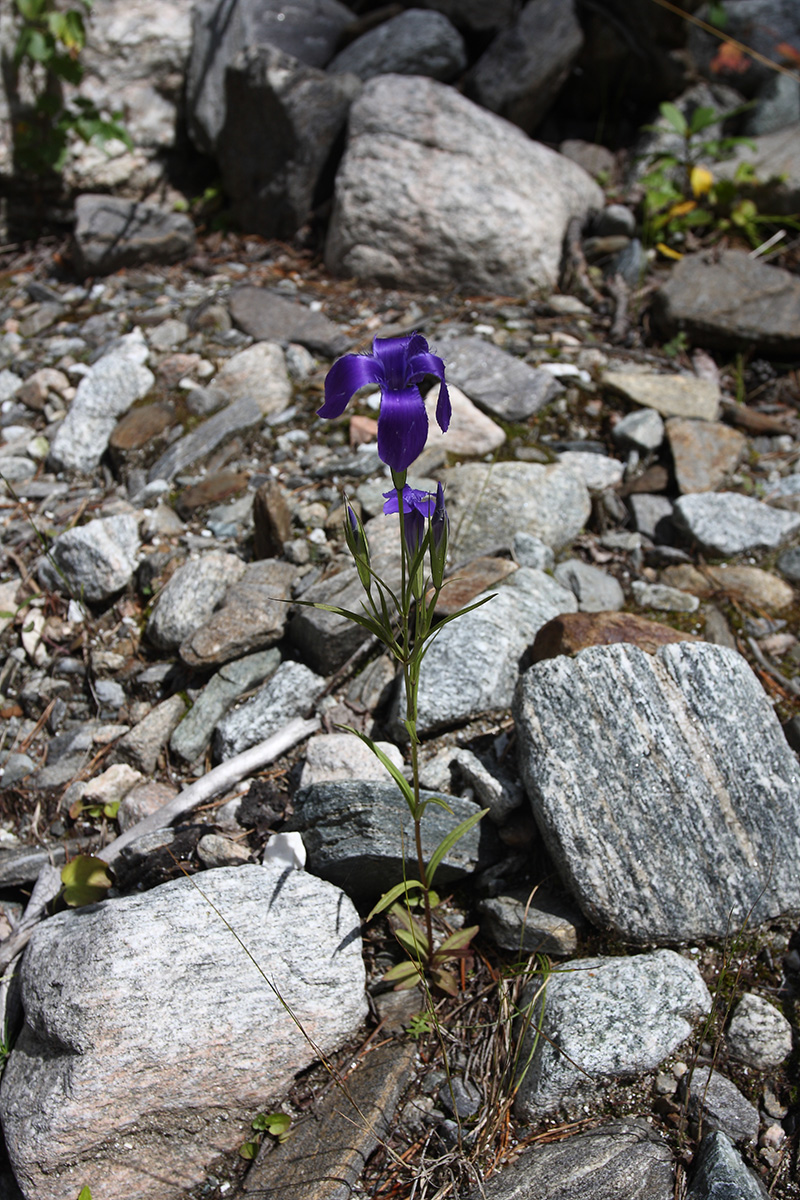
[(701, 180)]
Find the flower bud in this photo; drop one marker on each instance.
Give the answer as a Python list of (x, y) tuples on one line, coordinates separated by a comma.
[(440, 528), (358, 546)]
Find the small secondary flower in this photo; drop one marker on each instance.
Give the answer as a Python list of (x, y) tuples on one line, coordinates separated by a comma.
[(418, 506), (397, 365)]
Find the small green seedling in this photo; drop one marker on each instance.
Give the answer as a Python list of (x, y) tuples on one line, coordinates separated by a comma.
[(420, 1024), (95, 811), (86, 880), (277, 1125)]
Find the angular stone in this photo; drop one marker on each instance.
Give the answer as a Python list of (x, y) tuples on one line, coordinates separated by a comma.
[(662, 597), (141, 426), (93, 561), (480, 575), (505, 386), (143, 800), (643, 429), (283, 121), (721, 1105), (289, 693), (268, 317), (193, 735), (759, 1033), (211, 490), (143, 745), (529, 921), (595, 590), (571, 632), (750, 585), (728, 523), (335, 757), (241, 414), (489, 503), (670, 395), (163, 988), (470, 433), (474, 15), (720, 1173), (605, 1016), (653, 516), (111, 233), (729, 302), (112, 786), (411, 211), (524, 68), (307, 31), (252, 617), (355, 834), (648, 771), (598, 471), (190, 597), (271, 520), (113, 384), (705, 453), (622, 1160), (473, 664), (414, 42), (256, 373)]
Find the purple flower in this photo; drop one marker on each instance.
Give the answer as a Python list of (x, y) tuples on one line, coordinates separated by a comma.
[(417, 507), (397, 365)]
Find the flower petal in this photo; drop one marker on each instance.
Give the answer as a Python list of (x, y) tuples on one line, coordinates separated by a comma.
[(423, 364), (402, 427), (345, 377), (392, 353)]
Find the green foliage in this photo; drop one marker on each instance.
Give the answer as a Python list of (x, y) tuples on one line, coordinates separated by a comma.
[(277, 1125), (419, 1025), (85, 1194), (47, 56), (86, 880)]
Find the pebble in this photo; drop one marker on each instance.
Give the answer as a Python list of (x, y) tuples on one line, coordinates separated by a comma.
[(662, 597)]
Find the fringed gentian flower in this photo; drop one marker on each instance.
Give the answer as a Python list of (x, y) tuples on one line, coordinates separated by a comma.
[(418, 506), (397, 365)]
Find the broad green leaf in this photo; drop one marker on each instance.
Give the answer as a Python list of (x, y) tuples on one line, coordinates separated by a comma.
[(457, 940), (30, 10), (403, 971), (248, 1151), (450, 840), (85, 1193), (388, 898), (276, 1124), (38, 47), (413, 944), (85, 880), (444, 980), (396, 774), (702, 118), (674, 117)]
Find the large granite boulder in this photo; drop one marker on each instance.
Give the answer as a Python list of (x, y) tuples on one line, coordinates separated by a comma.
[(411, 209)]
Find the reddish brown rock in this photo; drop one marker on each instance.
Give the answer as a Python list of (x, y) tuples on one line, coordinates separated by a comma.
[(468, 582), (705, 453), (211, 490), (750, 585), (140, 426), (571, 632), (172, 369)]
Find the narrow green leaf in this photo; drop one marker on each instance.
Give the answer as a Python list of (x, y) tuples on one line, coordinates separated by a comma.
[(444, 980), (459, 939), (414, 944), (674, 117), (438, 801), (402, 970), (388, 898), (395, 772), (450, 840)]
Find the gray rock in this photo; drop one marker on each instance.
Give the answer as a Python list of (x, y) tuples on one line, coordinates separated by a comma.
[(598, 471), (256, 373), (111, 233), (731, 301), (473, 664), (9, 384), (191, 596), (662, 597), (114, 383), (252, 617), (704, 453), (490, 504), (648, 771), (16, 469), (762, 25), (492, 789), (720, 1173), (332, 757), (789, 564), (720, 1104), (241, 414), (523, 70), (164, 987), (474, 15), (502, 385), (355, 835), (652, 516), (268, 317), (728, 523), (289, 693), (670, 395), (595, 590), (759, 1033), (622, 1160), (94, 561), (110, 693), (778, 107), (216, 851), (282, 122), (415, 42), (614, 220), (308, 31), (531, 921), (325, 639), (643, 429), (193, 735), (776, 167), (410, 210), (530, 551), (15, 768), (604, 1017), (145, 742)]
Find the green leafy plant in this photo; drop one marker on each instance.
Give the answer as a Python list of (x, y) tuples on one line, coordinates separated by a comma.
[(46, 57), (277, 1125), (85, 1194), (94, 810), (86, 880)]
